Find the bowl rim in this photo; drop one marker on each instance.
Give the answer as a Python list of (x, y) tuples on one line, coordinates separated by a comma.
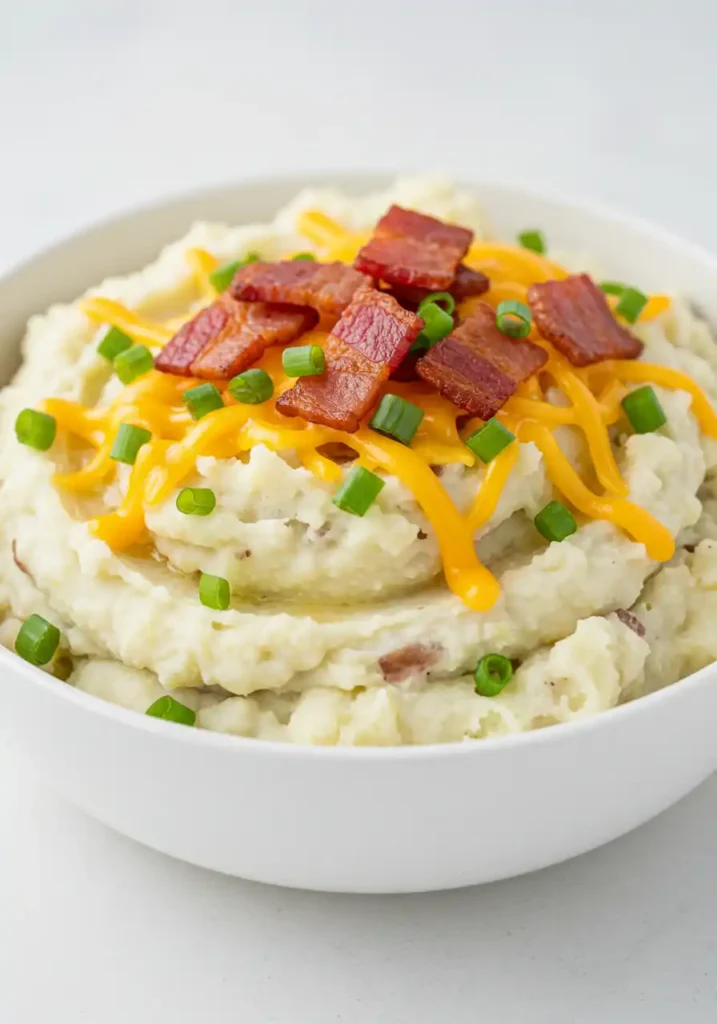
[(11, 663)]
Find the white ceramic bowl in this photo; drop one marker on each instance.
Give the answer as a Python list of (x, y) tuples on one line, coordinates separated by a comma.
[(376, 819)]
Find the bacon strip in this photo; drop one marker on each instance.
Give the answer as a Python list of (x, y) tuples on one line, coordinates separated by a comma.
[(228, 336), (399, 665), (326, 287), (371, 338), (414, 250), (574, 315), (466, 284), (478, 367)]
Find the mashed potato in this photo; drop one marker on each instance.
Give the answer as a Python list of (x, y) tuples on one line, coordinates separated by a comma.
[(341, 630)]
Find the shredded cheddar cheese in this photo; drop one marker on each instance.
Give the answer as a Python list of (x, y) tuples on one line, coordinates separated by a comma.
[(592, 400)]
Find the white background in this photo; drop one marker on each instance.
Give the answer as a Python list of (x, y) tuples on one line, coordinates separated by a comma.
[(103, 105)]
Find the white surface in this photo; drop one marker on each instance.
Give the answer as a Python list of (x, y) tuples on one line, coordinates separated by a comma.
[(611, 100)]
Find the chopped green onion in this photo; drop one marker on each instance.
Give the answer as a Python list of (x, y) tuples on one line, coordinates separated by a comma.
[(171, 711), (196, 501), (202, 399), (222, 277), (252, 387), (358, 491), (304, 256), (492, 674), (490, 440), (37, 640), (303, 361), (114, 342), (128, 442), (397, 418), (449, 303), (631, 300), (642, 408), (437, 323), (532, 239), (133, 363), (631, 304), (36, 429), (555, 521), (513, 318), (612, 287), (214, 592)]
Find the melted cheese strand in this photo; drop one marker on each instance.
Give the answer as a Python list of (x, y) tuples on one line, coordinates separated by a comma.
[(98, 470), (643, 527), (203, 263), (489, 492), (675, 380), (126, 526), (466, 577), (588, 416), (107, 311), (509, 263)]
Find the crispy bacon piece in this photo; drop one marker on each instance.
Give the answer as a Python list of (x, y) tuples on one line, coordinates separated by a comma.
[(414, 250), (396, 666), (326, 287), (466, 284), (631, 621), (477, 366), (370, 339), (574, 315), (228, 336)]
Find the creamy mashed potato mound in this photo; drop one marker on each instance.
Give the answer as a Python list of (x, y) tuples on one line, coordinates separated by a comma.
[(341, 629)]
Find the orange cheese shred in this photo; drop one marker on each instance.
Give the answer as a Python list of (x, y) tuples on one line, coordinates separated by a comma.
[(489, 492), (634, 520), (144, 332)]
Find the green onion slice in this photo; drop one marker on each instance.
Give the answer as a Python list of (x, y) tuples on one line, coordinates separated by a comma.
[(304, 256), (114, 342), (303, 361), (490, 440), (443, 299), (128, 442), (214, 592), (222, 277), (555, 521), (612, 287), (202, 399), (171, 711), (252, 387), (642, 408), (532, 239), (196, 501), (513, 318), (133, 363), (36, 429), (492, 674), (437, 324), (358, 492), (397, 418), (631, 304), (631, 301), (37, 640)]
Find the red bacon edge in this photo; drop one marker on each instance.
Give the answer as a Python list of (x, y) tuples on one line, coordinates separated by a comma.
[(466, 284), (229, 336), (326, 287), (411, 249), (574, 315), (370, 339), (478, 367)]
